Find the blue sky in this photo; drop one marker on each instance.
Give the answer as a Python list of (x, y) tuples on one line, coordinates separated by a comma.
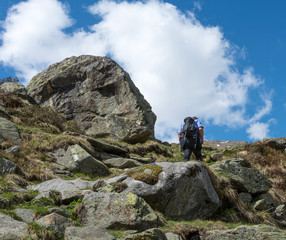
[(220, 60)]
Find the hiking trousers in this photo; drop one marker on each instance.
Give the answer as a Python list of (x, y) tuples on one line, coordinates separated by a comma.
[(188, 152)]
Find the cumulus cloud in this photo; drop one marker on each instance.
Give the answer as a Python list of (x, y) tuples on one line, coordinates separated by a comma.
[(258, 131), (181, 67), (33, 37)]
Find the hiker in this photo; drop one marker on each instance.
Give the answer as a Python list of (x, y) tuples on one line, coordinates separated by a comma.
[(191, 138)]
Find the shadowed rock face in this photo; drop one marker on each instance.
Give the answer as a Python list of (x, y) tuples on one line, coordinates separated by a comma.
[(184, 190), (98, 94)]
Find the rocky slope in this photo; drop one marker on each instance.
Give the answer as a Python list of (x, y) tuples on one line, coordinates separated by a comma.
[(59, 180)]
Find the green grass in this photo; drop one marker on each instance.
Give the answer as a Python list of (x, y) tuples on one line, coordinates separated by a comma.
[(199, 223), (148, 173), (10, 213), (118, 233), (42, 232)]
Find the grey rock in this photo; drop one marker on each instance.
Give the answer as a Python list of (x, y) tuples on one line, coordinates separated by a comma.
[(4, 113), (96, 93), (82, 184), (69, 190), (104, 146), (112, 210), (13, 87), (280, 212), (76, 159), (56, 222), (117, 179), (87, 233), (59, 211), (173, 236), (184, 190), (243, 178), (54, 184), (110, 185), (7, 167), (144, 160), (27, 215), (150, 234), (257, 232), (267, 197), (13, 150), (9, 131), (261, 205), (70, 196), (100, 184), (61, 185), (7, 224), (16, 89), (245, 197), (121, 163), (216, 156)]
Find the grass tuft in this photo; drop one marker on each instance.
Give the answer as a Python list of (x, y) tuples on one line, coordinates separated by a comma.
[(148, 173)]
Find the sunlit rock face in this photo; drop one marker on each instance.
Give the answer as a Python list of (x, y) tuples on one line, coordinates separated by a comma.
[(98, 94)]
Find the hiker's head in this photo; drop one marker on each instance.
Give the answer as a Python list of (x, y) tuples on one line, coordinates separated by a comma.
[(194, 117)]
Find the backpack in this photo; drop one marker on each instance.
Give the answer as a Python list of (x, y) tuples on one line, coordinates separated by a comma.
[(190, 132)]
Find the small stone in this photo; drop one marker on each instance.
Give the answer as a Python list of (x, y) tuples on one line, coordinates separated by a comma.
[(261, 205), (280, 211), (148, 171), (13, 150), (216, 156), (245, 197)]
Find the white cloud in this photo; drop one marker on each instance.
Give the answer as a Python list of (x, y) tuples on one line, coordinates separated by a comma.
[(262, 111), (258, 131), (197, 5), (34, 37), (181, 67)]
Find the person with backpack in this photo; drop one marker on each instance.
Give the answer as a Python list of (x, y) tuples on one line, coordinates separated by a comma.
[(191, 138)]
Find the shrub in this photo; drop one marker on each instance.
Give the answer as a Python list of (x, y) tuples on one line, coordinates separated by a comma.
[(9, 79), (39, 232), (271, 162)]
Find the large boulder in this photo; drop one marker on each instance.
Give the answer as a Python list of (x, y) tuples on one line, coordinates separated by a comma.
[(242, 177), (98, 94), (9, 131), (115, 211), (11, 228), (257, 232), (183, 190)]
